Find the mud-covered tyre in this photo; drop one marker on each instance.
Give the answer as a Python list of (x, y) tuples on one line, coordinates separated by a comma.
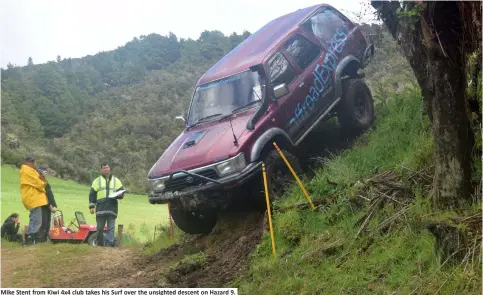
[(279, 176), (356, 110), (200, 222)]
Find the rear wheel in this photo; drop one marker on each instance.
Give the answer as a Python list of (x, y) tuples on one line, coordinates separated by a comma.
[(356, 110), (192, 222)]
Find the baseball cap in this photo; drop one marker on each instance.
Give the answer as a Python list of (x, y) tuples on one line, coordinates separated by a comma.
[(42, 170), (30, 158)]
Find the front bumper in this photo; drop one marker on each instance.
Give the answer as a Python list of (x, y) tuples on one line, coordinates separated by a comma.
[(221, 184)]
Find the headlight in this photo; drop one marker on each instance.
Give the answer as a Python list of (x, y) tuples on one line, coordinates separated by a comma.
[(232, 165), (158, 185)]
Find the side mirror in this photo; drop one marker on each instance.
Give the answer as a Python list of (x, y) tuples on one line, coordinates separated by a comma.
[(181, 118), (280, 90)]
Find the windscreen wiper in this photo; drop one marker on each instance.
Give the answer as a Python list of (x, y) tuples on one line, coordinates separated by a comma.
[(247, 105), (239, 109), (205, 118), (208, 117)]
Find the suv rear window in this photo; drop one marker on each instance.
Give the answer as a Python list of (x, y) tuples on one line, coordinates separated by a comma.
[(280, 70), (303, 51), (325, 24)]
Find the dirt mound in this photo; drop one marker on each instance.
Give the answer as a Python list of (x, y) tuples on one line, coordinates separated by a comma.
[(202, 261), (226, 252)]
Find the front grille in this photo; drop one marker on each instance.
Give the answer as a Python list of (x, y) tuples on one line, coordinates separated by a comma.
[(182, 182)]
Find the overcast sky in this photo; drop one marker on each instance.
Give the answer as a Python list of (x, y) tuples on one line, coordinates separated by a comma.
[(44, 29)]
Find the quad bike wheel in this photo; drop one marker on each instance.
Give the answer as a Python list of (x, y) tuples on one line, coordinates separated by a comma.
[(200, 222), (92, 240), (356, 110)]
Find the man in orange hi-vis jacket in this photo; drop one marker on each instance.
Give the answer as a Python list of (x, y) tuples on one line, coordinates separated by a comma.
[(34, 198)]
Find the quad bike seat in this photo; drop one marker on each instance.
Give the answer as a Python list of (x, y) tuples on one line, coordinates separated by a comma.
[(80, 218), (59, 221)]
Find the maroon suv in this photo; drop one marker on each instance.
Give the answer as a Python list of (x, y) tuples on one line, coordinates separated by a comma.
[(276, 86)]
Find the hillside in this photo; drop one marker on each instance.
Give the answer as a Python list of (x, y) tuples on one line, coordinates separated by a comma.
[(120, 105), (375, 229), (373, 232)]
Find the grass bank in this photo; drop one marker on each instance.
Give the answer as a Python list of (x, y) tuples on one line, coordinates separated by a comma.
[(374, 232)]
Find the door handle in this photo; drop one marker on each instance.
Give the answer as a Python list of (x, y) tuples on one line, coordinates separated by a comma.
[(301, 85)]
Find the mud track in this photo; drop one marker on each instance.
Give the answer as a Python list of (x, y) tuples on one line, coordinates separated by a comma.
[(226, 249), (226, 252)]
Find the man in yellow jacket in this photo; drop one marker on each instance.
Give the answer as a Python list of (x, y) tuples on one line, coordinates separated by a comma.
[(34, 198)]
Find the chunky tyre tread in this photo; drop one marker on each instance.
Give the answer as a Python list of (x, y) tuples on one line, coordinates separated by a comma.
[(274, 161), (348, 119), (190, 223)]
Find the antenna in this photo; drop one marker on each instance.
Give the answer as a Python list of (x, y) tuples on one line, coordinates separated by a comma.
[(235, 142)]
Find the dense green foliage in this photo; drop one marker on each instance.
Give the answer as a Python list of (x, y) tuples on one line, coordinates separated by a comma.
[(117, 106), (120, 105)]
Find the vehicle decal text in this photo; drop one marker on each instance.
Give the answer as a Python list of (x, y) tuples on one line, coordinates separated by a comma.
[(322, 74), (221, 82)]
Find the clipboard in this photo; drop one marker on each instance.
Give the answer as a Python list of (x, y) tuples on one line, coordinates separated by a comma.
[(117, 194)]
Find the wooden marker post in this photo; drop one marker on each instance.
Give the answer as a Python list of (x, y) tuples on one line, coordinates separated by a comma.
[(171, 230), (25, 233), (120, 228)]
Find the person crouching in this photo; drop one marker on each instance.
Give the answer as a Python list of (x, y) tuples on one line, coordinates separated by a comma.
[(10, 228)]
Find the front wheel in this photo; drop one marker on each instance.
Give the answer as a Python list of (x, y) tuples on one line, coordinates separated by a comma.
[(356, 110), (192, 222), (279, 176)]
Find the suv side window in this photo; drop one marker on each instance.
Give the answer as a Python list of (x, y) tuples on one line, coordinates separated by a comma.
[(280, 70), (325, 24), (303, 51)]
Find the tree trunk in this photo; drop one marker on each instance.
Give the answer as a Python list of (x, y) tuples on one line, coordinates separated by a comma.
[(452, 149), (434, 53)]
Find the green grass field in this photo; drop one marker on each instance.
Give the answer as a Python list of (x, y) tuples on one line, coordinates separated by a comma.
[(137, 215)]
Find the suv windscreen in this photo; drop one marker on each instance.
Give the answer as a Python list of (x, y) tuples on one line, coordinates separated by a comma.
[(222, 97)]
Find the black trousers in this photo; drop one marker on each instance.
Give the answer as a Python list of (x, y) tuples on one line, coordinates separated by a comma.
[(50, 195), (45, 227), (13, 238)]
